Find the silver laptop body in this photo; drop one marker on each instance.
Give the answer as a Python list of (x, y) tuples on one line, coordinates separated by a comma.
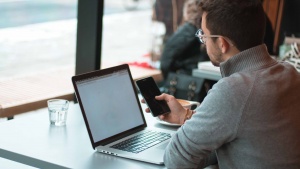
[(112, 113)]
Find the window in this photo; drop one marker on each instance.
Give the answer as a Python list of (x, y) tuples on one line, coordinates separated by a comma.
[(126, 34), (44, 43), (36, 36), (38, 42)]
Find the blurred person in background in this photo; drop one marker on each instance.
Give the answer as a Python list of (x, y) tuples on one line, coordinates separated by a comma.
[(182, 51)]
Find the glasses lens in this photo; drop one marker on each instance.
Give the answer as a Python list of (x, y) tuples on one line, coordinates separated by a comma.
[(199, 34)]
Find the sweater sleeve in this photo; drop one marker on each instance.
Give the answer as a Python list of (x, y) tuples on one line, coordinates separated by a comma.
[(214, 124)]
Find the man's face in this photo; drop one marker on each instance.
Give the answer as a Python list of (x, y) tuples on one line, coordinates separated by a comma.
[(212, 48)]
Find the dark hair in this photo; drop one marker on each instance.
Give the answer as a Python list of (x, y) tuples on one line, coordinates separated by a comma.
[(242, 21), (191, 13)]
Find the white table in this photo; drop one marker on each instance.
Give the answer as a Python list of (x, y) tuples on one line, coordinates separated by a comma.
[(207, 70), (4, 163), (205, 74), (31, 140)]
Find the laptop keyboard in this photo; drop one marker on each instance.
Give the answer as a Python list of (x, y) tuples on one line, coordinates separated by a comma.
[(142, 141)]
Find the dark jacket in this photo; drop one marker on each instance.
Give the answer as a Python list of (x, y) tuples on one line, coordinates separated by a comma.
[(182, 51)]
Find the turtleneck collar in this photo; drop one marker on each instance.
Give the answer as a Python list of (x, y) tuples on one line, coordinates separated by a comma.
[(251, 59)]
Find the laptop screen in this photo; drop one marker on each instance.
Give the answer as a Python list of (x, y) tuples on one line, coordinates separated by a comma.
[(110, 104)]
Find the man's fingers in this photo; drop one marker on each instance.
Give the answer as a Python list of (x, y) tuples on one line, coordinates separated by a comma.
[(147, 110), (161, 97), (161, 117)]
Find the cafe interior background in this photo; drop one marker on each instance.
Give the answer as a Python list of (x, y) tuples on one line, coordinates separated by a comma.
[(44, 43)]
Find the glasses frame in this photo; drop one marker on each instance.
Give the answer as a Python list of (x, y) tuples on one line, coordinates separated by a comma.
[(200, 35)]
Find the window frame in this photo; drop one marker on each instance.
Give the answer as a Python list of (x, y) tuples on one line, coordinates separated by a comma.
[(89, 35)]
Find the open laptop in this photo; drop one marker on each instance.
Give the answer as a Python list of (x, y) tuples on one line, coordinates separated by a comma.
[(113, 115)]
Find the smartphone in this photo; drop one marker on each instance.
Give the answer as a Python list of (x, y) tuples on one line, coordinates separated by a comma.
[(149, 90)]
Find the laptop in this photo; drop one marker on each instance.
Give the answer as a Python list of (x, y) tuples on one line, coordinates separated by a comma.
[(114, 118)]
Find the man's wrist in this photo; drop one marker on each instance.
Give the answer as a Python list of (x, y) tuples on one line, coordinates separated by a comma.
[(188, 115)]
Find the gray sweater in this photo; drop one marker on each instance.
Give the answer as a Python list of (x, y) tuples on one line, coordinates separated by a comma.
[(250, 118)]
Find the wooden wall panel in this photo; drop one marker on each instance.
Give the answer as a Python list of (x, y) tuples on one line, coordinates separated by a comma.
[(274, 11)]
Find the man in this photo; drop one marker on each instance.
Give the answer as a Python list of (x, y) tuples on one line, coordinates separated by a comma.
[(251, 117)]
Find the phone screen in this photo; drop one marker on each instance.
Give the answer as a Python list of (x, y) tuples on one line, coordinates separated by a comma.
[(149, 90)]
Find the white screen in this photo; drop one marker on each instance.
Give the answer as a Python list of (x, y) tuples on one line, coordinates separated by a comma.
[(110, 104)]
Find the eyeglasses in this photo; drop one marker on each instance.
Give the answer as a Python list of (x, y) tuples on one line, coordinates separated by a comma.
[(200, 34)]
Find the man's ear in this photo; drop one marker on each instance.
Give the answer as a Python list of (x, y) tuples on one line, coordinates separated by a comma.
[(224, 45)]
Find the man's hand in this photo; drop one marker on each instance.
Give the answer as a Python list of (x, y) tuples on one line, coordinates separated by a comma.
[(177, 113)]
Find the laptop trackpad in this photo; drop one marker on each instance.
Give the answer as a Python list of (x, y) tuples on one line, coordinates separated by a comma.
[(163, 146)]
